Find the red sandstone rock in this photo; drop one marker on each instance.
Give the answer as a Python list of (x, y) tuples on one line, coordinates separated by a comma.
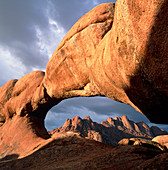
[(20, 135), (131, 61), (68, 71), (5, 95), (21, 102), (23, 129)]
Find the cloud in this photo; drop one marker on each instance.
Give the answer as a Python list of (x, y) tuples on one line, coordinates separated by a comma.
[(28, 34), (99, 105), (8, 68), (47, 41)]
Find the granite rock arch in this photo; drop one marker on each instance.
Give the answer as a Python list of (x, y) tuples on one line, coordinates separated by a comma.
[(107, 52)]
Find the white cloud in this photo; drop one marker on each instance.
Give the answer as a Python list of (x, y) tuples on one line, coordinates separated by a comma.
[(10, 66), (48, 39), (95, 2)]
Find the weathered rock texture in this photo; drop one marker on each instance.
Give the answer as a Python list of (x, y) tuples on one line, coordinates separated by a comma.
[(131, 62), (121, 54), (68, 71), (110, 131), (23, 115)]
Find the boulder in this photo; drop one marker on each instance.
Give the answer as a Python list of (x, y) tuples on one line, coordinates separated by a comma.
[(162, 139), (143, 142), (124, 141), (23, 128)]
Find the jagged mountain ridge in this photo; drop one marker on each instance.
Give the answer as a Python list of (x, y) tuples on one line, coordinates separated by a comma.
[(110, 131)]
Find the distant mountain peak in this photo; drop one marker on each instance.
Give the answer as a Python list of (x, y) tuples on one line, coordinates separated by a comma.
[(76, 118), (124, 117), (88, 118), (110, 131)]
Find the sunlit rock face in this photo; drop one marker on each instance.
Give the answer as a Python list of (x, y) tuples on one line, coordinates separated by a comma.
[(68, 71), (131, 62), (121, 54)]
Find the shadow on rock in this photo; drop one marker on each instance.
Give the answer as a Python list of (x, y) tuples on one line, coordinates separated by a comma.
[(10, 157)]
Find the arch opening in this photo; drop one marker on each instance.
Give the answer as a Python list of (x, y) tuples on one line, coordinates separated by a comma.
[(98, 108)]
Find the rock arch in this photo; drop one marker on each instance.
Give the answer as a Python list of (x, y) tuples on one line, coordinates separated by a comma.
[(107, 52)]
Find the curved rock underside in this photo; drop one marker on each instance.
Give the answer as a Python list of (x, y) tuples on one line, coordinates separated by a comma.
[(121, 54)]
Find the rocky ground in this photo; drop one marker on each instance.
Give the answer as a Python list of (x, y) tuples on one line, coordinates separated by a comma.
[(71, 151), (80, 144)]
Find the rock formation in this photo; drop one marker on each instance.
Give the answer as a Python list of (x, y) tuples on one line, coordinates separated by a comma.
[(121, 54), (143, 142), (162, 139), (131, 61), (110, 131), (24, 103)]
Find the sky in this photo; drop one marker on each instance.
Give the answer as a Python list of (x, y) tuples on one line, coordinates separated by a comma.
[(30, 31)]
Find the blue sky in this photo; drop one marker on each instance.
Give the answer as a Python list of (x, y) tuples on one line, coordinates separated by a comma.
[(30, 31)]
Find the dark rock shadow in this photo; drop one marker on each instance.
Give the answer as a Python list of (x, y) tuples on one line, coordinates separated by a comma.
[(9, 157), (149, 85)]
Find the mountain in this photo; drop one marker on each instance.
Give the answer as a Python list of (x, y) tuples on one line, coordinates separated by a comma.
[(110, 131)]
